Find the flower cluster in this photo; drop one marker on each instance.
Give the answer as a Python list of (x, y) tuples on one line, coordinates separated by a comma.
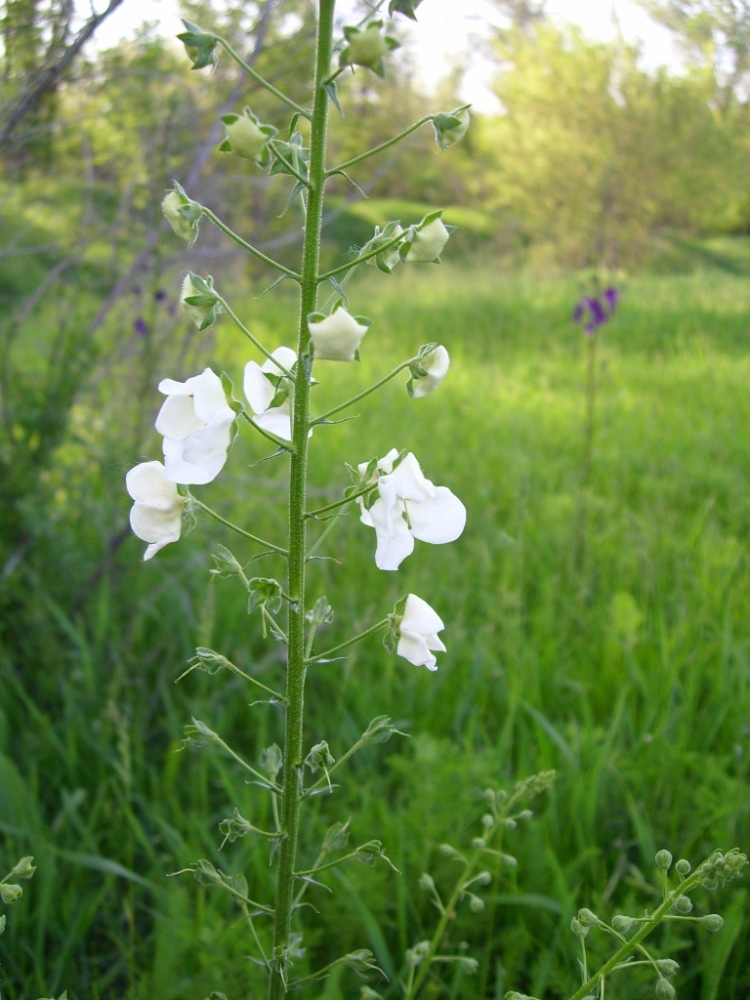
[(197, 423), (595, 310)]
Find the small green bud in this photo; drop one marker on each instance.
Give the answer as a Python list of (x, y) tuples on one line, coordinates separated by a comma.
[(483, 878), (664, 860), (667, 966), (10, 892), (2, 923), (712, 922), (426, 882), (247, 137), (683, 904), (488, 821), (682, 867), (664, 990), (24, 868), (587, 918), (622, 923), (452, 126), (468, 965), (525, 814), (476, 904), (367, 46), (182, 214), (509, 861), (479, 843), (578, 928), (198, 299)]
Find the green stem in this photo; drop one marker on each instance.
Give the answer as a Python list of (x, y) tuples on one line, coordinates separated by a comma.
[(349, 642), (289, 166), (248, 246), (632, 943), (383, 145), (362, 258), (235, 527), (259, 79), (364, 393), (296, 665), (251, 337), (274, 438), (340, 503)]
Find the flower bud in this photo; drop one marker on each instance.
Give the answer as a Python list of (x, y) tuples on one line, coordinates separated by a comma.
[(667, 966), (426, 882), (24, 868), (450, 127), (664, 990), (622, 923), (337, 337), (247, 137), (587, 918), (468, 965), (476, 905), (578, 928), (10, 893), (367, 46), (428, 372), (174, 206), (488, 821), (664, 860), (199, 300), (2, 923), (483, 878), (683, 904), (682, 867), (712, 922), (426, 240)]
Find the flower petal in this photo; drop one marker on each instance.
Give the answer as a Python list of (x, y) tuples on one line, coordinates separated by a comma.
[(420, 617), (179, 470), (438, 520), (148, 483), (414, 649), (177, 418), (395, 541)]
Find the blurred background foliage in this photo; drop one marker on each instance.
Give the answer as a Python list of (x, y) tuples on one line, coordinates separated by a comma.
[(628, 674)]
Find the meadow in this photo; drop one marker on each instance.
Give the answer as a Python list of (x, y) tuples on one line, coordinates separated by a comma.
[(622, 663)]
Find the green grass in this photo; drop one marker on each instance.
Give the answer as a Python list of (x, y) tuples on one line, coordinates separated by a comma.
[(629, 675)]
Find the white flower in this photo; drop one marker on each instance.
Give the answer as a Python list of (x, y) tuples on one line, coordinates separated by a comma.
[(418, 633), (156, 516), (428, 242), (409, 507), (261, 393), (336, 337), (196, 422), (436, 365)]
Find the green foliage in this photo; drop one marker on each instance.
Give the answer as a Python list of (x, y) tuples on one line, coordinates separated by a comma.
[(637, 701), (598, 155)]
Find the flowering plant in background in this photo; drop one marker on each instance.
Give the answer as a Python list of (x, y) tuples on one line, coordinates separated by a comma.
[(594, 310)]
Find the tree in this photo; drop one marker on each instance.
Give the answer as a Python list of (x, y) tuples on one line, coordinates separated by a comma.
[(714, 33)]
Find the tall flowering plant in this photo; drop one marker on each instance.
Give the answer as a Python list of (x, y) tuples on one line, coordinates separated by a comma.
[(200, 421)]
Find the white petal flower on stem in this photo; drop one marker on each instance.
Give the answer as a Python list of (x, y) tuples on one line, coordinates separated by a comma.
[(336, 337), (417, 631), (156, 516), (436, 365), (170, 206), (261, 393), (428, 243), (409, 506), (196, 422)]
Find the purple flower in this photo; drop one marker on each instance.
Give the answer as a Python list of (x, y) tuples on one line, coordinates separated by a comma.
[(140, 327), (160, 295), (596, 310)]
